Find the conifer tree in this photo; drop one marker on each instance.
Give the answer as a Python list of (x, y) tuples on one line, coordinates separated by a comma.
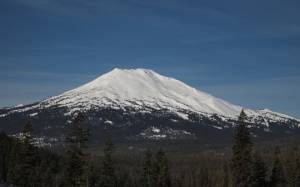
[(26, 132), (74, 167), (5, 147), (147, 174), (13, 162), (161, 175), (108, 177), (226, 176), (277, 178), (293, 168), (259, 172), (26, 158), (297, 173), (241, 162), (78, 135), (94, 174), (75, 158), (204, 176)]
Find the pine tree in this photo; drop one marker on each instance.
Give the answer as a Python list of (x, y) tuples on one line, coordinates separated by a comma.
[(13, 162), (78, 135), (5, 146), (26, 158), (74, 168), (259, 172), (241, 162), (291, 166), (277, 178), (94, 174), (297, 173), (147, 174), (161, 175), (75, 158), (204, 176), (108, 177), (226, 176), (26, 132)]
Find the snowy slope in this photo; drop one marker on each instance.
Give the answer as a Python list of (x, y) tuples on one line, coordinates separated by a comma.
[(141, 89)]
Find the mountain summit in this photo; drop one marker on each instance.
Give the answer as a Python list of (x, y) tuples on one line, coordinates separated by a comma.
[(143, 87), (140, 88)]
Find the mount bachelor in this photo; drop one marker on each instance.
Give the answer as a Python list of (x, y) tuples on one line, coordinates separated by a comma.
[(140, 104)]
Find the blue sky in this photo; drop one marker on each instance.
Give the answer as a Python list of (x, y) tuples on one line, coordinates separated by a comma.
[(246, 52)]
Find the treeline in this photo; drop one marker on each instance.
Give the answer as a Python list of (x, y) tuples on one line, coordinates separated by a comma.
[(249, 169), (24, 165)]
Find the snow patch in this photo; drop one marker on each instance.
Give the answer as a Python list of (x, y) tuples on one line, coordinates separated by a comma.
[(157, 136), (182, 115), (155, 130), (108, 122), (3, 115), (217, 127), (33, 114)]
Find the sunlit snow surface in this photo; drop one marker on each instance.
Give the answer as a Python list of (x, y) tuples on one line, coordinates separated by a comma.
[(142, 89)]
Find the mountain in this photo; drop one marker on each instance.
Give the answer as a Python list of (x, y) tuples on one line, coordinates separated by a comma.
[(133, 104)]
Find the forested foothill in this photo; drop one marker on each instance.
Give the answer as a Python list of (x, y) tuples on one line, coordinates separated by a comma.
[(75, 164)]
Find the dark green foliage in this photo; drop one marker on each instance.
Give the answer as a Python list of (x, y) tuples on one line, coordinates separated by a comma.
[(94, 174), (226, 176), (13, 161), (204, 176), (277, 178), (147, 174), (48, 169), (292, 168), (108, 177), (241, 164), (259, 172), (187, 169), (74, 157), (26, 165), (78, 135), (205, 168), (25, 159), (161, 175), (5, 148), (297, 173), (26, 132), (155, 170), (74, 162)]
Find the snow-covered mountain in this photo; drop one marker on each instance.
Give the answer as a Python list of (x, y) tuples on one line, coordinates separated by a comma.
[(141, 87), (143, 91)]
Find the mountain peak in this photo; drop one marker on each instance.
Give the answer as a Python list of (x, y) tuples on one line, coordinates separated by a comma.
[(132, 70), (137, 72), (145, 90), (143, 87)]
